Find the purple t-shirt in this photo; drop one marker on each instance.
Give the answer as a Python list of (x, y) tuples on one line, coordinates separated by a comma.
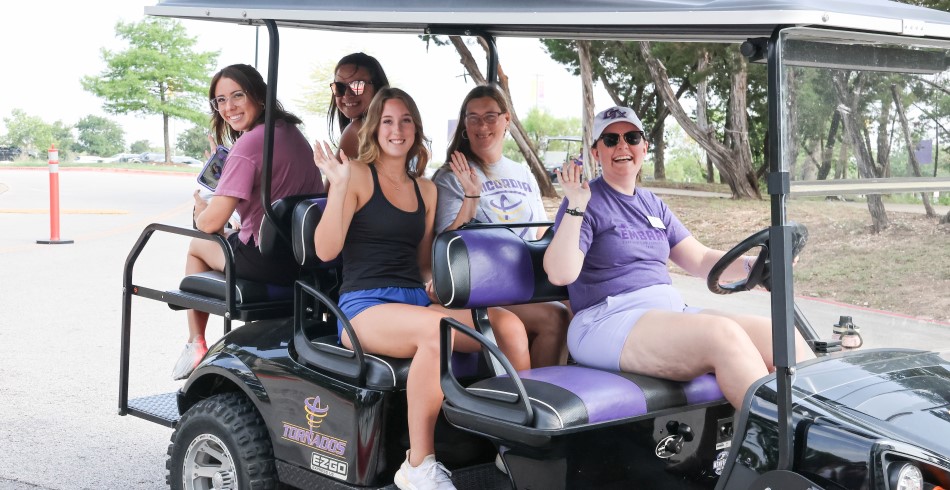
[(293, 173), (624, 250)]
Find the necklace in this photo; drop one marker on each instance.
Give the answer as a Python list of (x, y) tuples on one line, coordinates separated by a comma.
[(391, 180)]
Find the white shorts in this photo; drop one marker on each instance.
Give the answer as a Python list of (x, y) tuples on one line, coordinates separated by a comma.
[(597, 334)]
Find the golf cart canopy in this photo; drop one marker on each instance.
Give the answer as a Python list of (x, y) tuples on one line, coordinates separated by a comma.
[(698, 20)]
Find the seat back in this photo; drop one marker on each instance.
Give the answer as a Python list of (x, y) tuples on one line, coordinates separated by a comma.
[(306, 216), (270, 241), (490, 265)]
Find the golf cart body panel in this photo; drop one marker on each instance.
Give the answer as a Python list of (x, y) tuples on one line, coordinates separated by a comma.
[(336, 418)]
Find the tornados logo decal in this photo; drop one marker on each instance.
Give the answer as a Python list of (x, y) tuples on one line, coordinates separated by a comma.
[(316, 413)]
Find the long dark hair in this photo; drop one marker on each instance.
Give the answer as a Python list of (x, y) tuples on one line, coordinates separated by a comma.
[(459, 141), (251, 82), (376, 75), (418, 156)]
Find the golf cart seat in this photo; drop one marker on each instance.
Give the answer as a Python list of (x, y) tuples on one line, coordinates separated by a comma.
[(248, 300), (492, 266), (315, 321)]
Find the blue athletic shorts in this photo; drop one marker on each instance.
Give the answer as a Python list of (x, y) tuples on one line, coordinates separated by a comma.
[(598, 333), (354, 302)]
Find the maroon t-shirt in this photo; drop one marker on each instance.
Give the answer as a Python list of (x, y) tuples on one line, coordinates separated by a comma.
[(293, 173)]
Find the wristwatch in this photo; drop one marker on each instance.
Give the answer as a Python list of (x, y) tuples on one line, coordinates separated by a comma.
[(574, 212)]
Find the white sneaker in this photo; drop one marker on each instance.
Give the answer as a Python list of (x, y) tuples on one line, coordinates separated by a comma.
[(430, 475), (189, 359)]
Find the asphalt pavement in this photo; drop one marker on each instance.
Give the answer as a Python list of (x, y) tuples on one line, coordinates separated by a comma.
[(61, 315)]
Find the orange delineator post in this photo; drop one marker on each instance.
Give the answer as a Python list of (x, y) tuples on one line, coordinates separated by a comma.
[(54, 199)]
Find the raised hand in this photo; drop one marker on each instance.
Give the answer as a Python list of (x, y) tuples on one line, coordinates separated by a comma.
[(471, 184), (337, 170), (576, 190)]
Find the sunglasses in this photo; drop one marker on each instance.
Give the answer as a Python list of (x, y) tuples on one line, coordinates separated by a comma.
[(356, 86), (611, 140)]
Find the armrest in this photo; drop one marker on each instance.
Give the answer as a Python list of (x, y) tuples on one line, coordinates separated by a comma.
[(350, 363), (514, 408)]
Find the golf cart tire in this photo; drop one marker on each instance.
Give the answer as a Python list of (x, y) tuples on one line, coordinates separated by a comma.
[(234, 421)]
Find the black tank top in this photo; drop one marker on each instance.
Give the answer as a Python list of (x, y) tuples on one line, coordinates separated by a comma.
[(382, 243)]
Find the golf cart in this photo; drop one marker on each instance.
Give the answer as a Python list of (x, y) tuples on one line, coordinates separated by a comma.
[(568, 150), (279, 401)]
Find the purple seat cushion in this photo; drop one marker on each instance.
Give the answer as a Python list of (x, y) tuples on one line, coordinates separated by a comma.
[(571, 396)]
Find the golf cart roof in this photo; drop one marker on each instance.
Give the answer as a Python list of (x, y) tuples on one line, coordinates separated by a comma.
[(713, 20)]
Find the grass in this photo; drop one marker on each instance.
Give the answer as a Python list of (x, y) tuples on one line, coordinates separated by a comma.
[(164, 167)]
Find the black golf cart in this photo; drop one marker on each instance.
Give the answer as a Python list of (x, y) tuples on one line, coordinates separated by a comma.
[(279, 402)]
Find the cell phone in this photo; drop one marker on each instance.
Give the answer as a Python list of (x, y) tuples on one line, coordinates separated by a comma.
[(211, 172)]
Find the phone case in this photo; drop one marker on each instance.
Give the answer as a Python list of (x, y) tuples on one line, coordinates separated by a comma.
[(211, 172)]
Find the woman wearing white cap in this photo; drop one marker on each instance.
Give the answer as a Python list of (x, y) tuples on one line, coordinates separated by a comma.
[(611, 247)]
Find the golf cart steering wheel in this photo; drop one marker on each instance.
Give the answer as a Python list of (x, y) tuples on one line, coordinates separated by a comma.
[(761, 269)]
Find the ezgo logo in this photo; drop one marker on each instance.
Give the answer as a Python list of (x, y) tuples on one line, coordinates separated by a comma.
[(312, 438)]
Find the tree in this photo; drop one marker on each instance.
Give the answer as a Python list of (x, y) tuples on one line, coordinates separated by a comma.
[(193, 142), (140, 146), (538, 124), (159, 74), (316, 100), (99, 136), (31, 133)]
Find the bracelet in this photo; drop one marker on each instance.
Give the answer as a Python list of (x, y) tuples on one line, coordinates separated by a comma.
[(472, 197), (574, 212)]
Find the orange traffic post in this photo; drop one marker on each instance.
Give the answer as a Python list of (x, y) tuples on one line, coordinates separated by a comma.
[(54, 199)]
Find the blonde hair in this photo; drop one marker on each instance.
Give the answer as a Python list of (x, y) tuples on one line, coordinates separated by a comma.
[(418, 156)]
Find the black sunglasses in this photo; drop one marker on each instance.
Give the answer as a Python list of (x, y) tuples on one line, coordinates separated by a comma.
[(356, 86), (632, 138)]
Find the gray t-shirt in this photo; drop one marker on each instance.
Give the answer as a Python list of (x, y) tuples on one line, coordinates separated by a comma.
[(509, 193), (626, 242)]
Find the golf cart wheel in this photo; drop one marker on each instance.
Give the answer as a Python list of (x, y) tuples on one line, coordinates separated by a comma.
[(221, 443)]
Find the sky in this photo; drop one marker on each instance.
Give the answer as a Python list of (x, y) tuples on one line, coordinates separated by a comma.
[(48, 46)]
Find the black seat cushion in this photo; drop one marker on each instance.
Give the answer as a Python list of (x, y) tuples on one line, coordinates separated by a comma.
[(382, 372), (213, 285)]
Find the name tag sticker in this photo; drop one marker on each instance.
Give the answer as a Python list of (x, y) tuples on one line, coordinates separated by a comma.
[(656, 222)]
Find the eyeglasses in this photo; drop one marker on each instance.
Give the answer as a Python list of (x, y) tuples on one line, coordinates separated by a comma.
[(356, 86), (632, 138), (489, 118), (236, 99)]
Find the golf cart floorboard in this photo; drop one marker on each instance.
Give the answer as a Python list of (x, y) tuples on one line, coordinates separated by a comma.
[(478, 477), (161, 409)]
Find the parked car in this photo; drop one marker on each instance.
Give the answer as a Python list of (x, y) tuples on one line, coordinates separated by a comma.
[(187, 160), (9, 153), (125, 158)]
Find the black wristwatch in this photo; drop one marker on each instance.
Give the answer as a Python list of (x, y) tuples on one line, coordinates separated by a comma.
[(574, 212)]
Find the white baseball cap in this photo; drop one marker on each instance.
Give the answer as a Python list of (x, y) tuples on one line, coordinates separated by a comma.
[(614, 114)]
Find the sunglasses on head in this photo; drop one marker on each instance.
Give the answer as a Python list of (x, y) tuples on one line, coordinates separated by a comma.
[(356, 86), (631, 137)]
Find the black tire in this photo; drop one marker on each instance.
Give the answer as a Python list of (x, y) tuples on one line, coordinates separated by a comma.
[(229, 425)]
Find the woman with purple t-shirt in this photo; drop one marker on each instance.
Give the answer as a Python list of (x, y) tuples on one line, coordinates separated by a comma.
[(237, 101), (611, 247)]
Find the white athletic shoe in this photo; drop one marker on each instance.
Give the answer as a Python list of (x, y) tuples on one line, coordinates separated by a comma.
[(189, 359), (430, 475)]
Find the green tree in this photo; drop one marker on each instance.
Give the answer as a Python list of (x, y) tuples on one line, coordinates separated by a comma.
[(99, 136), (316, 100), (194, 142), (158, 74), (31, 133), (140, 146)]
